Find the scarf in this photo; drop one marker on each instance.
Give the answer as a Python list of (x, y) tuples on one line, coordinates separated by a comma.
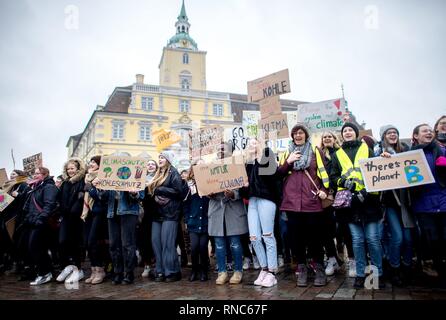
[(437, 154), (305, 159), (9, 185), (88, 201), (441, 137)]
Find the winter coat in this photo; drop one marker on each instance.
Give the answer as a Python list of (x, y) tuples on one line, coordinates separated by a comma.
[(262, 177), (431, 198), (227, 217), (71, 195), (175, 189), (121, 202), (196, 213), (100, 204), (45, 196), (359, 212), (15, 208), (297, 187)]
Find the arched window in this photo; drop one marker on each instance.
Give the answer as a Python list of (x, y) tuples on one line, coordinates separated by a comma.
[(182, 28), (185, 58)]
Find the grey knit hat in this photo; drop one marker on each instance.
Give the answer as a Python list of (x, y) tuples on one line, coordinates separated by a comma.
[(169, 155), (384, 129)]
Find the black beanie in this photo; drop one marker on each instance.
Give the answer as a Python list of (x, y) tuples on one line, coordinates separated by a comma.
[(96, 159), (351, 125)]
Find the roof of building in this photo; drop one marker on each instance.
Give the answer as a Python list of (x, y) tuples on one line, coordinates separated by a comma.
[(119, 100)]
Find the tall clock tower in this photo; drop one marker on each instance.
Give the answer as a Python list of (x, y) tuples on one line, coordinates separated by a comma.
[(182, 65)]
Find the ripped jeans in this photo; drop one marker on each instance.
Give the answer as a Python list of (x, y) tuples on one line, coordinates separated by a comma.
[(236, 250), (261, 213)]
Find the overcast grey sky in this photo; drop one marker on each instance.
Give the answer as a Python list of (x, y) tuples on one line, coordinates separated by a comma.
[(389, 54)]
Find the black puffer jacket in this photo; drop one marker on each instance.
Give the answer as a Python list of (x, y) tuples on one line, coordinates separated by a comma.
[(263, 182), (40, 203), (175, 189), (367, 211), (71, 197)]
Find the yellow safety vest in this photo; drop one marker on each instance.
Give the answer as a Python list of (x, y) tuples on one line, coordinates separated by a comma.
[(321, 172), (350, 170)]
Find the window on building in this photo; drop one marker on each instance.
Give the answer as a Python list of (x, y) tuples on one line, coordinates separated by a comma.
[(184, 106), (185, 58), (218, 109), (145, 133), (185, 84), (118, 130), (147, 103)]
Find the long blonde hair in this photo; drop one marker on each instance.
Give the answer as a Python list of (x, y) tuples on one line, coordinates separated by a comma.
[(324, 149), (160, 176)]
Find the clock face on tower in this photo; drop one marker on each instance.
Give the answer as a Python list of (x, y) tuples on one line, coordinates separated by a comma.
[(184, 42)]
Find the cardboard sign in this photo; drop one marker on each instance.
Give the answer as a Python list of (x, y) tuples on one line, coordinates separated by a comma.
[(363, 133), (164, 139), (31, 163), (205, 141), (270, 106), (322, 116), (5, 200), (122, 173), (275, 127), (3, 176), (272, 85), (237, 137), (229, 174), (402, 170), (10, 226)]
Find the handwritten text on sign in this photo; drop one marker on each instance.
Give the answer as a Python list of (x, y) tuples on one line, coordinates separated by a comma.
[(322, 116), (270, 106), (403, 170), (122, 173), (272, 85), (205, 141), (275, 126), (218, 177), (31, 163), (164, 139)]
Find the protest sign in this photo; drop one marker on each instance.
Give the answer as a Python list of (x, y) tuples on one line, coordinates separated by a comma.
[(205, 141), (272, 85), (402, 170), (363, 133), (3, 176), (237, 137), (270, 106), (5, 200), (275, 126), (321, 116), (164, 139), (10, 226), (31, 163), (216, 177), (122, 173)]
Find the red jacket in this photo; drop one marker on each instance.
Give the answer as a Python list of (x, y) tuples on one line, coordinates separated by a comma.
[(297, 187)]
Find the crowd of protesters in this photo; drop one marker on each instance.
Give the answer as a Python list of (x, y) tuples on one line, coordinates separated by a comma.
[(309, 208)]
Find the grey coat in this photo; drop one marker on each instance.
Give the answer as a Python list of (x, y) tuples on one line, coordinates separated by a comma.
[(231, 211)]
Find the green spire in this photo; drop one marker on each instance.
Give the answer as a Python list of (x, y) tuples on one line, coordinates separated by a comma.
[(183, 15)]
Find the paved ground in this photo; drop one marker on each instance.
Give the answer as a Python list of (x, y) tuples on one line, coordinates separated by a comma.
[(338, 288)]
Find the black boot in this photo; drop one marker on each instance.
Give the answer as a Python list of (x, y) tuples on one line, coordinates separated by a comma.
[(394, 277), (129, 278), (193, 276), (406, 275), (204, 274), (117, 278)]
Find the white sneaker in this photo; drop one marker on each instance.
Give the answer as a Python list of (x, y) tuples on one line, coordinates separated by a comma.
[(75, 276), (246, 263), (332, 266), (352, 268), (260, 278), (146, 272), (256, 263), (280, 261), (42, 279), (269, 280), (65, 273)]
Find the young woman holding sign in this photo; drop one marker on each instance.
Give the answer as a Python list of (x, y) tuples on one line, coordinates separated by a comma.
[(360, 208), (429, 200), (398, 219)]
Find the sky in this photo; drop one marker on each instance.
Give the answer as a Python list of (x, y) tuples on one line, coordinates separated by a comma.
[(59, 59)]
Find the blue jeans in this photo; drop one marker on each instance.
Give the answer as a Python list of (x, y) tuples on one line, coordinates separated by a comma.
[(236, 249), (400, 239), (261, 214), (361, 233)]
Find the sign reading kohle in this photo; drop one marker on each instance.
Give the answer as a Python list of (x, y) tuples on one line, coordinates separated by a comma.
[(403, 170), (31, 163), (324, 115), (122, 173), (272, 85)]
